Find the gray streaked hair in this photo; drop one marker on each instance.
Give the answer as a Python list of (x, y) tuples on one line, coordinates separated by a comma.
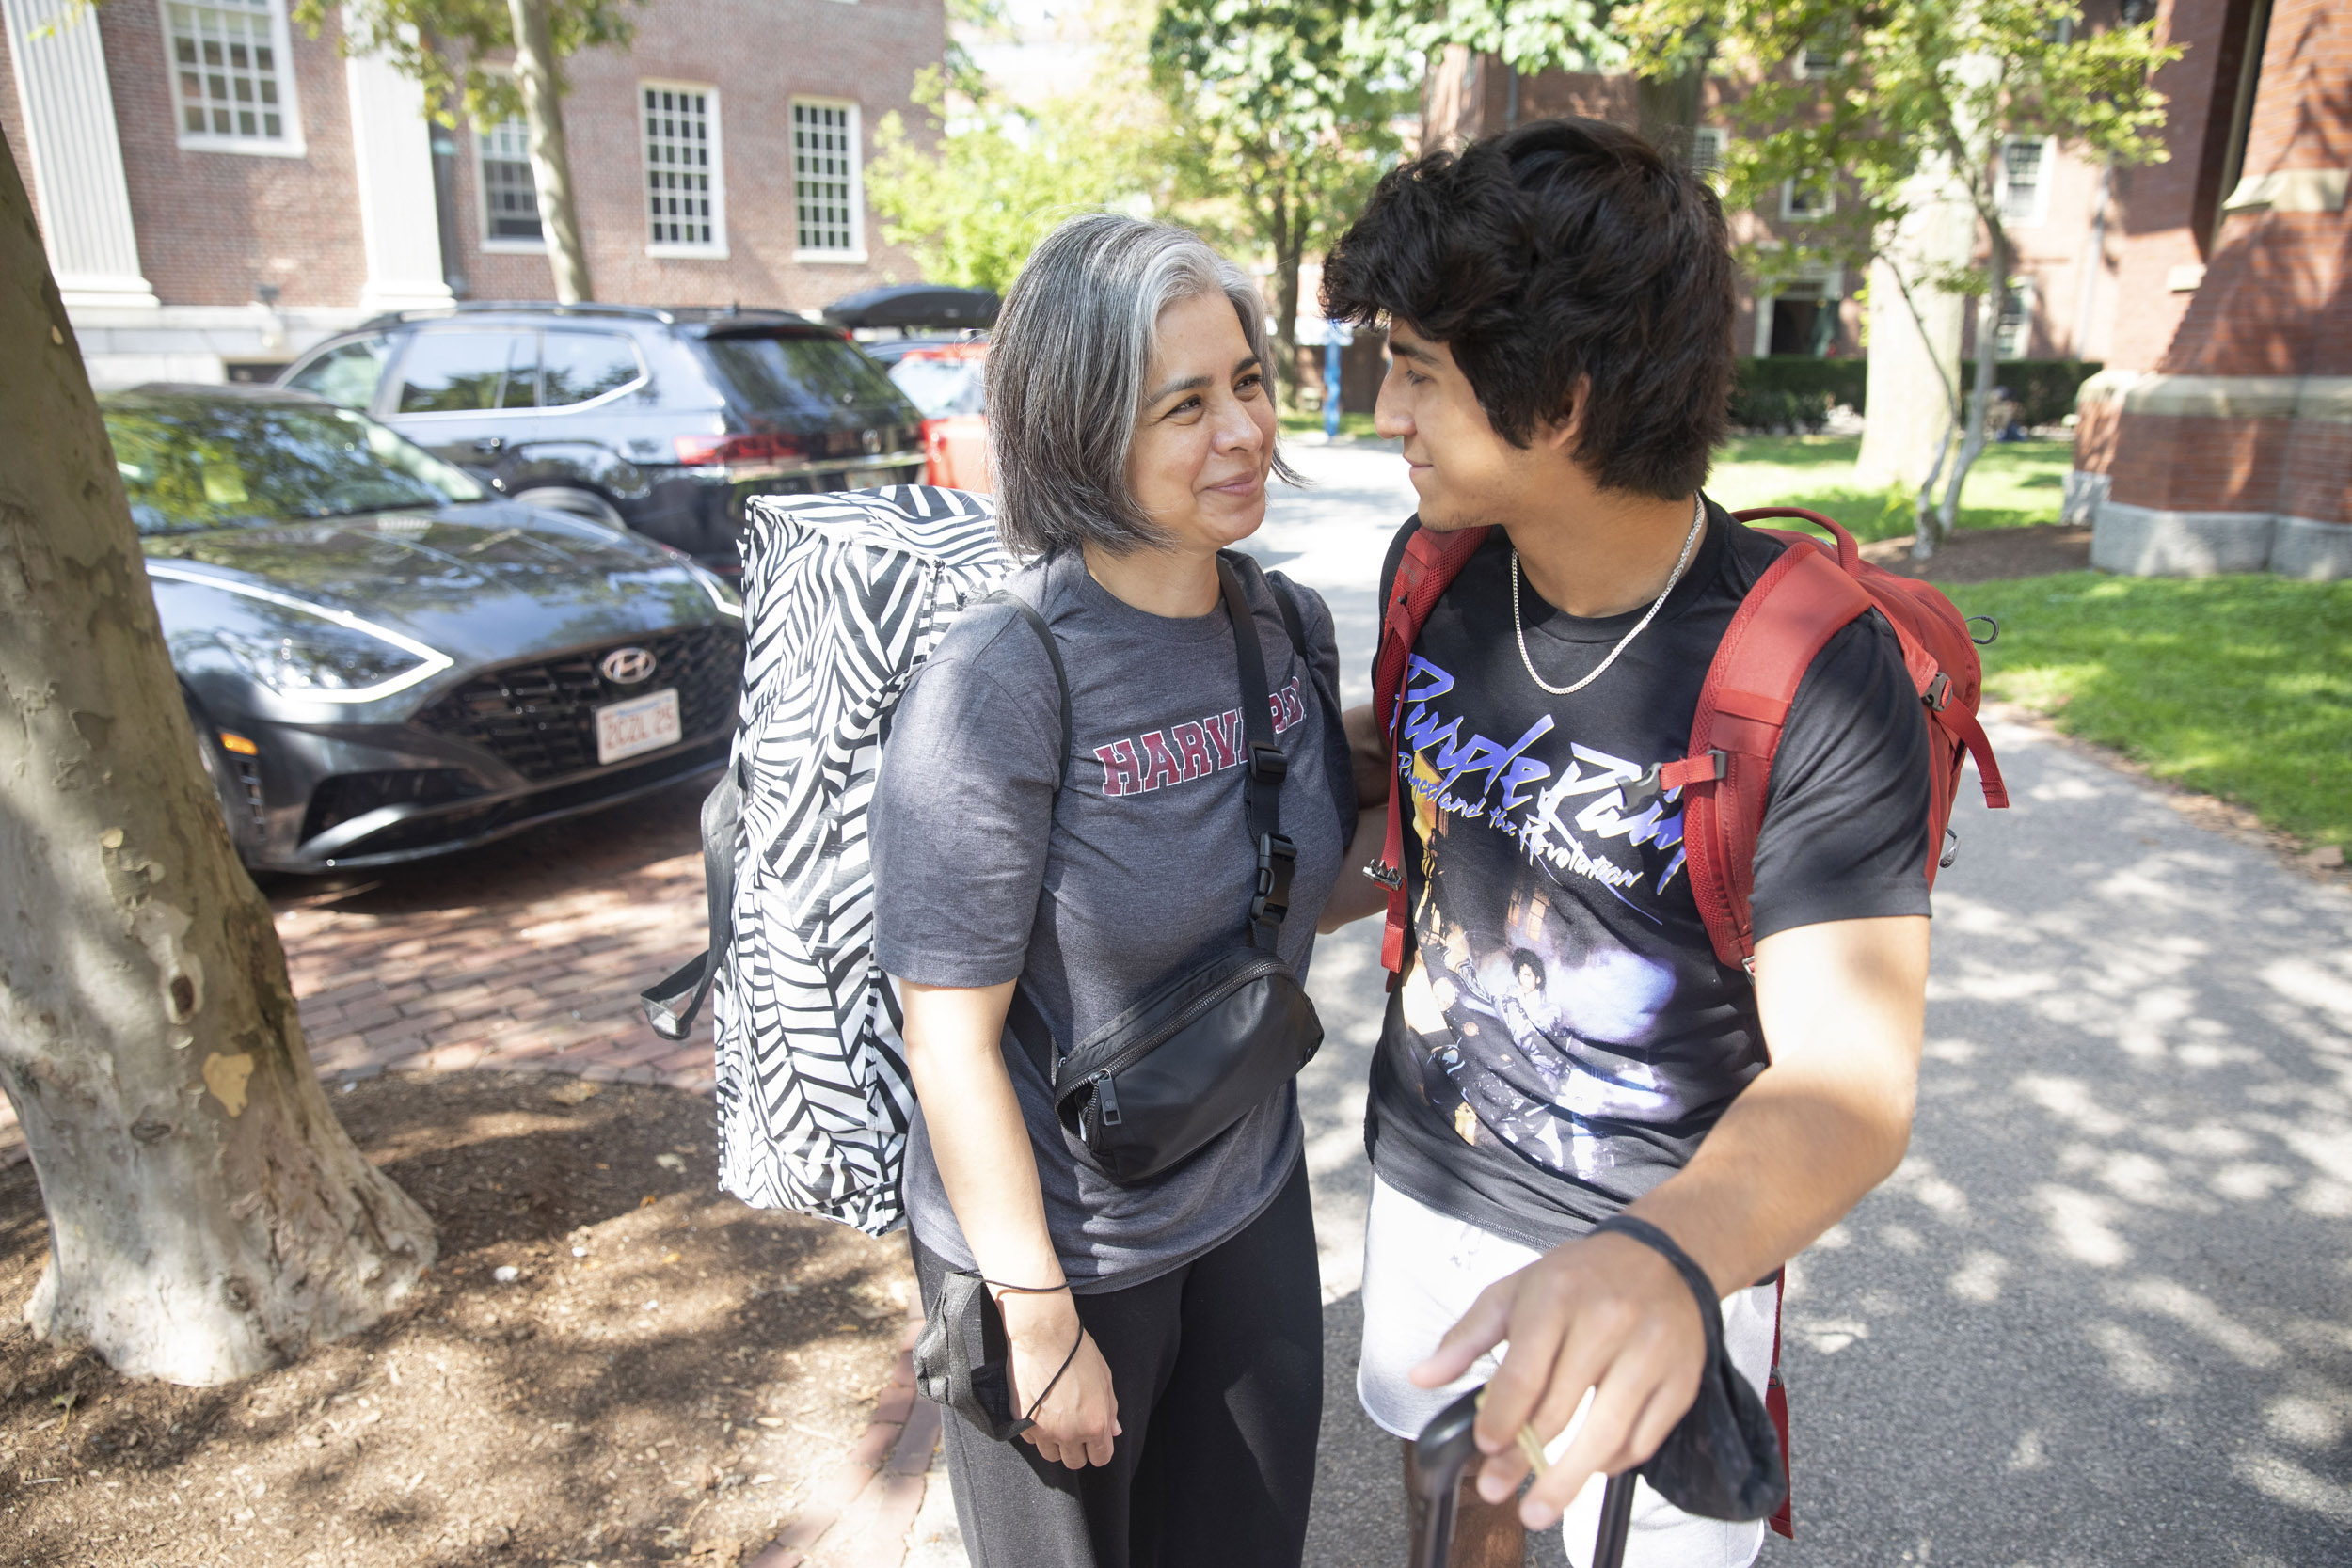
[(1066, 368)]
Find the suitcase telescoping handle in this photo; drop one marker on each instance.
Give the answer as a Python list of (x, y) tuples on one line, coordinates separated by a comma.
[(1445, 1448)]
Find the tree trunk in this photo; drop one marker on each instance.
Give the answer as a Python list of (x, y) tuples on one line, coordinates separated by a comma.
[(1980, 394), (1913, 368), (550, 163), (208, 1219), (1667, 107), (1289, 252)]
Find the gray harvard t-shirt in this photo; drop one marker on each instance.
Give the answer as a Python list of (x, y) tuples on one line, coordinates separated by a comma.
[(1141, 867)]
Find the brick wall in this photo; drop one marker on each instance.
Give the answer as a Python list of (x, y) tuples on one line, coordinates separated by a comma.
[(759, 54), (212, 225)]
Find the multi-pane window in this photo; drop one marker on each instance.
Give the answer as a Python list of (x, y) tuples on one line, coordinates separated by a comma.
[(2025, 181), (1802, 200), (682, 194), (2014, 333), (229, 77), (510, 196), (1706, 150), (824, 176)]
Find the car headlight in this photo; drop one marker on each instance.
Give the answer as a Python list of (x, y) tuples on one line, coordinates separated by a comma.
[(311, 652), (721, 592)]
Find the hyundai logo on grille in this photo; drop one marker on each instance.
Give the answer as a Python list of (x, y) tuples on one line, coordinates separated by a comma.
[(628, 666)]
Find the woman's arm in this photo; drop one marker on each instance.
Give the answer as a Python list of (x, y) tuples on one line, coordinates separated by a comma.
[(955, 1053)]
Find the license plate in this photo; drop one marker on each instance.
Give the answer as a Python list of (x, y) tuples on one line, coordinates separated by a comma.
[(644, 723)]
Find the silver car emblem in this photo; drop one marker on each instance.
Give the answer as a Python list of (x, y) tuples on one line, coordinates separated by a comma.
[(628, 666), (872, 439)]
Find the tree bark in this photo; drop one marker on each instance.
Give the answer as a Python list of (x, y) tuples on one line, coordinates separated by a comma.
[(208, 1219), (1667, 107), (1980, 394), (1290, 223), (550, 160)]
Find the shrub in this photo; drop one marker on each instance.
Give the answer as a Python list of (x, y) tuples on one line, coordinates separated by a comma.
[(1795, 393)]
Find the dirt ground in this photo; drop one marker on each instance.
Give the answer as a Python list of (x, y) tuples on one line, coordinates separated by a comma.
[(660, 1379), (1987, 555)]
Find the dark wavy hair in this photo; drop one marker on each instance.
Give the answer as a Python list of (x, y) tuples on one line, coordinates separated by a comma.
[(1560, 251)]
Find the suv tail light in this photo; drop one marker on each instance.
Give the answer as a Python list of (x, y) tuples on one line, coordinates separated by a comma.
[(703, 451)]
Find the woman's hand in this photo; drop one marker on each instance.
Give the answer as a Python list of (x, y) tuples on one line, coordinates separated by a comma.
[(1079, 1418)]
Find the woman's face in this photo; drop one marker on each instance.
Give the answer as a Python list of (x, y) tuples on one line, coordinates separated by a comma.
[(1205, 439)]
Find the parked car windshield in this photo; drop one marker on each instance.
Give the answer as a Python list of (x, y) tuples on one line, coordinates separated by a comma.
[(195, 463), (939, 386), (807, 374)]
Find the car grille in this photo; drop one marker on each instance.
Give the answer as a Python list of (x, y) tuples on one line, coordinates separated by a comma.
[(540, 718)]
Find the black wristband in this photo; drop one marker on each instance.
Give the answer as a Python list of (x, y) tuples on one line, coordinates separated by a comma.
[(1710, 1306)]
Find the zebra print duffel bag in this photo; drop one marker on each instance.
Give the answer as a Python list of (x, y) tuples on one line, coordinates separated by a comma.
[(843, 595)]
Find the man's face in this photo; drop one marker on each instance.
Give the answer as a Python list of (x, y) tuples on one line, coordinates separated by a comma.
[(1465, 474)]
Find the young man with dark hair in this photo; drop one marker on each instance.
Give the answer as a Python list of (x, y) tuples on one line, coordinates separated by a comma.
[(1565, 1045)]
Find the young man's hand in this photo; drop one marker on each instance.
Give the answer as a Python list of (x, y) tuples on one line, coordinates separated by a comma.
[(1603, 1315)]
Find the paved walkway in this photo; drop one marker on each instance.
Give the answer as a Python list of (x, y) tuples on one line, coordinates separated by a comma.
[(2099, 1315)]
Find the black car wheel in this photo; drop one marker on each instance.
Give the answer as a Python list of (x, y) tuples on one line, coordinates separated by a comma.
[(577, 503)]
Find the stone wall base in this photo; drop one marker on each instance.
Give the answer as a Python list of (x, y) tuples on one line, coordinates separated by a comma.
[(2141, 541), (2315, 551), (2086, 493)]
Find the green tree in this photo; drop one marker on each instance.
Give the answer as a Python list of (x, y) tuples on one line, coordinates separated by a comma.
[(971, 198), (445, 44), (1283, 113), (1905, 112)]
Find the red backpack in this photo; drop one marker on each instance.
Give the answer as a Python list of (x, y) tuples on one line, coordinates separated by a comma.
[(1795, 608)]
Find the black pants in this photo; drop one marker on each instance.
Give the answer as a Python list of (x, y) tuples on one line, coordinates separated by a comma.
[(1218, 1371)]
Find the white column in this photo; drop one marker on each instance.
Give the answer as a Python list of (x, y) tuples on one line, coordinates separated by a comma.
[(394, 155), (77, 160)]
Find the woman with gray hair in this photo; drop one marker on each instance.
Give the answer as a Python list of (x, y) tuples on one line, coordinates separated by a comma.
[(1062, 859)]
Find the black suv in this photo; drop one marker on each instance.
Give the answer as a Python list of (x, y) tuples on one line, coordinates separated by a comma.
[(661, 419)]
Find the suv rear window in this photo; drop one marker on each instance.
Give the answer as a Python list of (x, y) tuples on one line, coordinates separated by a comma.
[(800, 374), (448, 372)]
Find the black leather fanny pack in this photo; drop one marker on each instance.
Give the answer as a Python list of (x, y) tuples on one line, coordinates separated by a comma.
[(1209, 1045)]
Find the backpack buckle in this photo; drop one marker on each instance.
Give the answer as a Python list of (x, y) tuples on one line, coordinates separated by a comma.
[(1386, 874), (1267, 764), (1951, 849), (1278, 856), (1938, 695), (1638, 795)]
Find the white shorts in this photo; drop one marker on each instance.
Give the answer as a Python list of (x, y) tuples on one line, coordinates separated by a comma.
[(1421, 1272)]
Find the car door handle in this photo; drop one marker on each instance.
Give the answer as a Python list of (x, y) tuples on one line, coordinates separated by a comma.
[(490, 443)]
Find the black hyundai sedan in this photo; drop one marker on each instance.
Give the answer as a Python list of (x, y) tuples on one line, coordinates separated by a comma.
[(383, 661)]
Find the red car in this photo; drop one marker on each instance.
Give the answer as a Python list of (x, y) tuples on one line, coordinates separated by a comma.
[(946, 381)]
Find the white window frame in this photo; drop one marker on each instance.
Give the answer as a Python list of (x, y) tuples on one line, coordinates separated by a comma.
[(291, 145), (2013, 348), (1721, 141), (490, 246), (855, 255), (1788, 213), (668, 250), (2039, 213), (1802, 67)]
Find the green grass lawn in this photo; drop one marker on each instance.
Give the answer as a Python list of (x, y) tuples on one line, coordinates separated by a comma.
[(2240, 686), (2013, 484)]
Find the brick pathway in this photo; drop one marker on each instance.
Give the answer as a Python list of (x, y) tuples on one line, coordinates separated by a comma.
[(527, 957)]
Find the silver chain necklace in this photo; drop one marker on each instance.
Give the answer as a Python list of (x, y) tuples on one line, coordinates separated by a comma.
[(1518, 627)]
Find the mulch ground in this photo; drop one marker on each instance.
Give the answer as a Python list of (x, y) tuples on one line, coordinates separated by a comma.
[(1988, 555), (663, 1378)]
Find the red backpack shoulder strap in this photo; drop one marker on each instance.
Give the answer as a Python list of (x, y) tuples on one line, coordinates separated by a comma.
[(1431, 561), (1796, 606)]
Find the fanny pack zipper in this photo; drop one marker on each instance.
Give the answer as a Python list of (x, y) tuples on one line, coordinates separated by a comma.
[(1139, 1049)]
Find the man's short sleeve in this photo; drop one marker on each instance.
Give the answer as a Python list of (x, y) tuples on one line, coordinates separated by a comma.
[(963, 810), (1845, 834)]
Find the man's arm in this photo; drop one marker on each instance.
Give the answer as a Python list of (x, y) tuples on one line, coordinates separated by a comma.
[(1357, 894), (1843, 1005)]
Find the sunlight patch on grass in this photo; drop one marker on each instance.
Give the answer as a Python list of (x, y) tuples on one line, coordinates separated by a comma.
[(2240, 686)]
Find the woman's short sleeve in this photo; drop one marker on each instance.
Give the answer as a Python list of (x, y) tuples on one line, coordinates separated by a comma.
[(964, 808)]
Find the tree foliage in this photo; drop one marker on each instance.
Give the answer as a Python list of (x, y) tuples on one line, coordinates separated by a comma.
[(448, 45), (972, 197), (1283, 114), (1902, 105)]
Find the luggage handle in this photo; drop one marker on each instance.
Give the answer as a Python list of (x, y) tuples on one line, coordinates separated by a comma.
[(1445, 1448)]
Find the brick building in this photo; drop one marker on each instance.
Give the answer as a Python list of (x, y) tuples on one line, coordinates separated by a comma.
[(2220, 436), (2063, 305), (218, 190)]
